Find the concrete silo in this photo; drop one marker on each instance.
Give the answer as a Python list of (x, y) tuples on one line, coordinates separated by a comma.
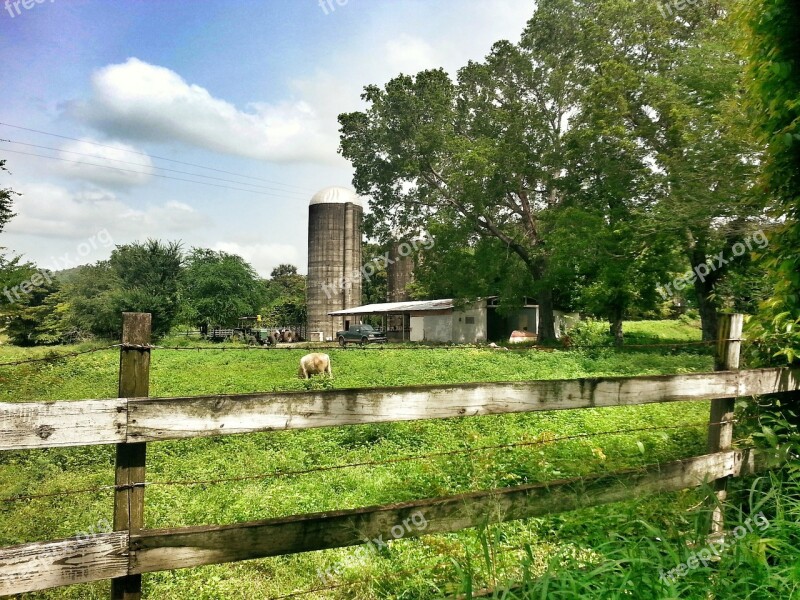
[(399, 274), (334, 258)]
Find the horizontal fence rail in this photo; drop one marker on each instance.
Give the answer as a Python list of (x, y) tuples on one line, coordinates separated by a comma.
[(40, 565), (132, 420)]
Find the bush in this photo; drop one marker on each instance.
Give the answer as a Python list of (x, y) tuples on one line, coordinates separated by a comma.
[(589, 332)]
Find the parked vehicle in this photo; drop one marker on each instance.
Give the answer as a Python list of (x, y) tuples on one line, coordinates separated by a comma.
[(361, 334), (251, 331)]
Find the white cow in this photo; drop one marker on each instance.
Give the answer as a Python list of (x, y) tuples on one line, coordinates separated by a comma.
[(315, 363)]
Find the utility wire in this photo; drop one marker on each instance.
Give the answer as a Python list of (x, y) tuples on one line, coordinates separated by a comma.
[(225, 187), (299, 194), (64, 137)]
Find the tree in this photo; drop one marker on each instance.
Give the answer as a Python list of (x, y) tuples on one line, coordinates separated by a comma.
[(285, 297), (702, 141), (774, 91), (6, 200), (484, 153), (36, 318), (217, 288), (91, 296), (148, 277)]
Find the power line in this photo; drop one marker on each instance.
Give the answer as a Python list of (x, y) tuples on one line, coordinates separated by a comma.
[(64, 137), (77, 162), (125, 162)]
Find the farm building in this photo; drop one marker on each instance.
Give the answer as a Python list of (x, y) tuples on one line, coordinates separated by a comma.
[(447, 321)]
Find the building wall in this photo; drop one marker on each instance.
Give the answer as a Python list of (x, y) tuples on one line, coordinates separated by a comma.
[(452, 328), (469, 326), (334, 255)]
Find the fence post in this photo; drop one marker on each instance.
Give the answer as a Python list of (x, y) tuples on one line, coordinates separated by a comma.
[(134, 382), (720, 429)]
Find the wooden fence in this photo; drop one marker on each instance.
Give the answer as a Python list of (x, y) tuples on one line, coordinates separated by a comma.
[(133, 420)]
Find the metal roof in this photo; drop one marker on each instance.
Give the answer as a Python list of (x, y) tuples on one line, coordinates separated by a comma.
[(396, 307)]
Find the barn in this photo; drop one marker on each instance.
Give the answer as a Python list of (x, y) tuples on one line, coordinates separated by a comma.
[(451, 321)]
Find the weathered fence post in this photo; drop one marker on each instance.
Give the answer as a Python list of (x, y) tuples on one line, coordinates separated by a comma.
[(720, 429), (134, 382)]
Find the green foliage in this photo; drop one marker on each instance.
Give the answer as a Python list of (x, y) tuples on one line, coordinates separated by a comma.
[(374, 289), (285, 297), (6, 200), (218, 288), (91, 297), (774, 88), (148, 277), (622, 552), (36, 318), (590, 333)]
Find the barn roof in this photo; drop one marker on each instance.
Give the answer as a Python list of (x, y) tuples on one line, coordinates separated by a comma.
[(397, 307)]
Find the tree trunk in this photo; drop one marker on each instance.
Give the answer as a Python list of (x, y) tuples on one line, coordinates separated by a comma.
[(616, 328), (707, 308), (547, 321)]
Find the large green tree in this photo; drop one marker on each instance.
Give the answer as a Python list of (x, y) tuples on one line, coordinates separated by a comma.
[(484, 152), (148, 275), (217, 288)]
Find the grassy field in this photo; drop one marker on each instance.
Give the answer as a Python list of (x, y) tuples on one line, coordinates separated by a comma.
[(428, 567)]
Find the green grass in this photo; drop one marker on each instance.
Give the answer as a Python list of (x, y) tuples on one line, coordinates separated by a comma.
[(630, 550), (422, 568)]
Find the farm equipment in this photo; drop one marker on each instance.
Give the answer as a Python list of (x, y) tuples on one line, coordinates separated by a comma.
[(251, 331)]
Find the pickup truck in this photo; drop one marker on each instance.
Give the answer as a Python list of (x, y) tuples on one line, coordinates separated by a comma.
[(361, 334)]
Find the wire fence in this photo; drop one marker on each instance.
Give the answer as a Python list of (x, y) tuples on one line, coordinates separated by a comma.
[(371, 463), (57, 357), (354, 348)]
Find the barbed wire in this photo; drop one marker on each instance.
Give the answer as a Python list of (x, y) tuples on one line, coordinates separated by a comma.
[(53, 357), (374, 463), (355, 347)]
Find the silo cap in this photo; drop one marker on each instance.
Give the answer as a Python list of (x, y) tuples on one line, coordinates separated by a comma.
[(336, 195)]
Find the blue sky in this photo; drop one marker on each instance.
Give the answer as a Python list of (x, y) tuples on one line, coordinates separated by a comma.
[(251, 88)]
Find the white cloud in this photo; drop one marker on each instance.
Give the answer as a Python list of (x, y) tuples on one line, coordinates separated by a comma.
[(263, 256), (137, 100), (50, 211), (87, 156), (408, 54)]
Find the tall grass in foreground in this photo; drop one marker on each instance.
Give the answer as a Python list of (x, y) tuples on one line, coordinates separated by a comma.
[(622, 555)]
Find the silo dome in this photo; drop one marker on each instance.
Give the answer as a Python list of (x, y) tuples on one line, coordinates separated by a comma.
[(336, 195)]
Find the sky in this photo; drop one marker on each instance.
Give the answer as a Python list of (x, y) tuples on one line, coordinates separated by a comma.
[(242, 96)]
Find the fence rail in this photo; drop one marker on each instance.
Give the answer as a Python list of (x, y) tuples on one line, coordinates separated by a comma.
[(131, 422)]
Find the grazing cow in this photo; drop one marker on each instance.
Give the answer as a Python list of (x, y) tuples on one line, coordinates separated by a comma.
[(315, 363)]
